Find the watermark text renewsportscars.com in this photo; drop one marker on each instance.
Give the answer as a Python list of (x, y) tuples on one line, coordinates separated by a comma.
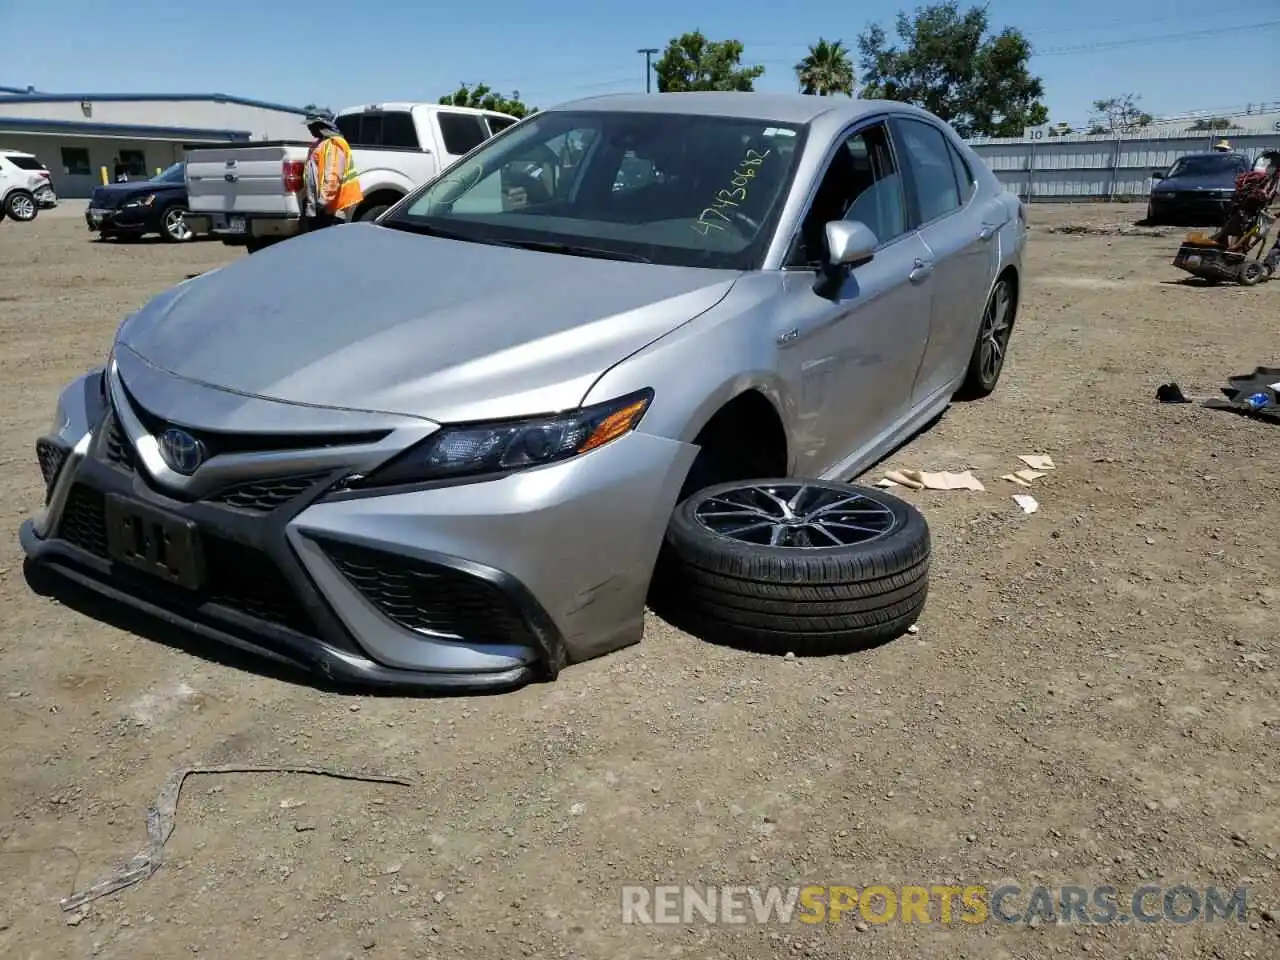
[(943, 904)]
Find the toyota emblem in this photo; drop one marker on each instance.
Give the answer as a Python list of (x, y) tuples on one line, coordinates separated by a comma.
[(181, 451)]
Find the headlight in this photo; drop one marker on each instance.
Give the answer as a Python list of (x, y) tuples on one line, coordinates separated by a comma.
[(469, 450), (146, 201)]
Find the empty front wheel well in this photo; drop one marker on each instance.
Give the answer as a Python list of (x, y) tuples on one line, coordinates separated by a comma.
[(744, 440)]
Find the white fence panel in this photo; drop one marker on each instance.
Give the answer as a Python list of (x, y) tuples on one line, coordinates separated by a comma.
[(1110, 167)]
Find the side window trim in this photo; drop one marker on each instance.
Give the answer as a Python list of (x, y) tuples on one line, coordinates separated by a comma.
[(969, 188), (915, 216), (852, 130)]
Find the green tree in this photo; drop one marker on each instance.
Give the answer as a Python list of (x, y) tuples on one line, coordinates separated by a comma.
[(1211, 123), (1119, 114), (692, 62), (948, 63), (314, 108), (481, 97), (826, 70)]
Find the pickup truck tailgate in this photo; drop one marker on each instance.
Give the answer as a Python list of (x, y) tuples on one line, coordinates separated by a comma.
[(241, 179)]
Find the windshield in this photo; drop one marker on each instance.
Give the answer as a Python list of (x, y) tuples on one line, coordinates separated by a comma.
[(171, 174), (664, 188), (1209, 166)]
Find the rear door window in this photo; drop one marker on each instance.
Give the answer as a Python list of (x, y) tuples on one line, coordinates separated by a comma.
[(25, 163), (462, 132), (926, 154), (399, 131), (498, 124)]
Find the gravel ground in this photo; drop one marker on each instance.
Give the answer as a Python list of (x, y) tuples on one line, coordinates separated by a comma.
[(1091, 697)]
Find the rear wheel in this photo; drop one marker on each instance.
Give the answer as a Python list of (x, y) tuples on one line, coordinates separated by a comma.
[(1252, 272), (987, 360), (21, 206), (254, 244), (373, 213)]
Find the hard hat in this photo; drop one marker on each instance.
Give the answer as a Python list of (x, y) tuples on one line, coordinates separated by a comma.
[(1222, 145)]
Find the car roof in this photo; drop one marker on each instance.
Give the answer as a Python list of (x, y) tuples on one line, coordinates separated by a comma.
[(772, 107), (5, 151)]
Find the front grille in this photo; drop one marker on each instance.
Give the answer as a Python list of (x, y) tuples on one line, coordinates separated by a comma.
[(51, 457), (217, 442), (84, 520), (262, 496), (118, 449), (240, 577), (430, 598)]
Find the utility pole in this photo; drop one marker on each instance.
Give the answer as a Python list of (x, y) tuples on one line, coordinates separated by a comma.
[(648, 67)]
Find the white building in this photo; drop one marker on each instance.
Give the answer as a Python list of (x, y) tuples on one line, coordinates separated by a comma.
[(78, 134)]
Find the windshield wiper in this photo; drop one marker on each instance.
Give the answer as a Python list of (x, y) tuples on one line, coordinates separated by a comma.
[(574, 250), (408, 226)]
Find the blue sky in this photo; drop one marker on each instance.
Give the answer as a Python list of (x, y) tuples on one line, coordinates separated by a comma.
[(571, 48)]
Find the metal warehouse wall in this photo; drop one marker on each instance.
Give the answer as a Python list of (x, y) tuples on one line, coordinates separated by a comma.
[(1078, 167)]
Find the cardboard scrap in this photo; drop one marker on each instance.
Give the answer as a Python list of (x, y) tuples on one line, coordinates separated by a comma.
[(1026, 502), (1014, 478), (1037, 461), (922, 480)]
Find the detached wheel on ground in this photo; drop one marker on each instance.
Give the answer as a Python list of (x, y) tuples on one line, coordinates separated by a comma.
[(173, 225), (21, 206), (802, 566)]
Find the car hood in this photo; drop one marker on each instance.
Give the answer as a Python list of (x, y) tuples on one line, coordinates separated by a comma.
[(115, 193), (364, 317)]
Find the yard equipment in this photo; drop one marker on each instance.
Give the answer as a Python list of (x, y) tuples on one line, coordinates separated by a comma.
[(1224, 256)]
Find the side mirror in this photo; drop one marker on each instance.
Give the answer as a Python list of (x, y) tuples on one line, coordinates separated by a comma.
[(849, 243), (1157, 174)]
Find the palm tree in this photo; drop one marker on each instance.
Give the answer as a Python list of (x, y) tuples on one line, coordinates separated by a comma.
[(826, 70)]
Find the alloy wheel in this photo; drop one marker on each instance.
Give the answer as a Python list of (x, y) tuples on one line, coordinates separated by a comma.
[(796, 515), (22, 207), (994, 336), (175, 224)]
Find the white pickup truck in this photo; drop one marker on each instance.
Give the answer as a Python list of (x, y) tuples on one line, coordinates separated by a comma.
[(250, 194)]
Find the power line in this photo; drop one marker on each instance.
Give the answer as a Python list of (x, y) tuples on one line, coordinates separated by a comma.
[(1148, 41), (1053, 31)]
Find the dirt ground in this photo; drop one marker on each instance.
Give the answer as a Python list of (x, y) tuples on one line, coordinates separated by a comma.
[(1091, 698)]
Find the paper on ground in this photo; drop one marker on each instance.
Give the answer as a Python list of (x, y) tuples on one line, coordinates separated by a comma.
[(1037, 461), (922, 480), (1026, 502), (885, 482), (1014, 478)]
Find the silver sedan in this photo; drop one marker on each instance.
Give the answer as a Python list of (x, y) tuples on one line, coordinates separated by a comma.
[(444, 449)]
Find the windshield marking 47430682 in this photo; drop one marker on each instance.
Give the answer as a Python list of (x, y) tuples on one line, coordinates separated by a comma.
[(731, 198)]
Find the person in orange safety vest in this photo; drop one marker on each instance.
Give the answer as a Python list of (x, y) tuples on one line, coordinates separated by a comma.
[(332, 184)]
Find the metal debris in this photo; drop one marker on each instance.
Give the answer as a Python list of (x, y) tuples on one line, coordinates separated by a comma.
[(161, 818)]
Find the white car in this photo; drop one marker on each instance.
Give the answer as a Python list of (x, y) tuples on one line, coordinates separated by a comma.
[(25, 186)]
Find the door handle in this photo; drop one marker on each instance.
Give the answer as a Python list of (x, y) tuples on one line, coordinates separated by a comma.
[(922, 271), (987, 232)]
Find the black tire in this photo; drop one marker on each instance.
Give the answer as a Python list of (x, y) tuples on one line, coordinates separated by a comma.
[(169, 231), (994, 332), (790, 599), (1252, 272), (254, 244), (21, 206), (373, 213)]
